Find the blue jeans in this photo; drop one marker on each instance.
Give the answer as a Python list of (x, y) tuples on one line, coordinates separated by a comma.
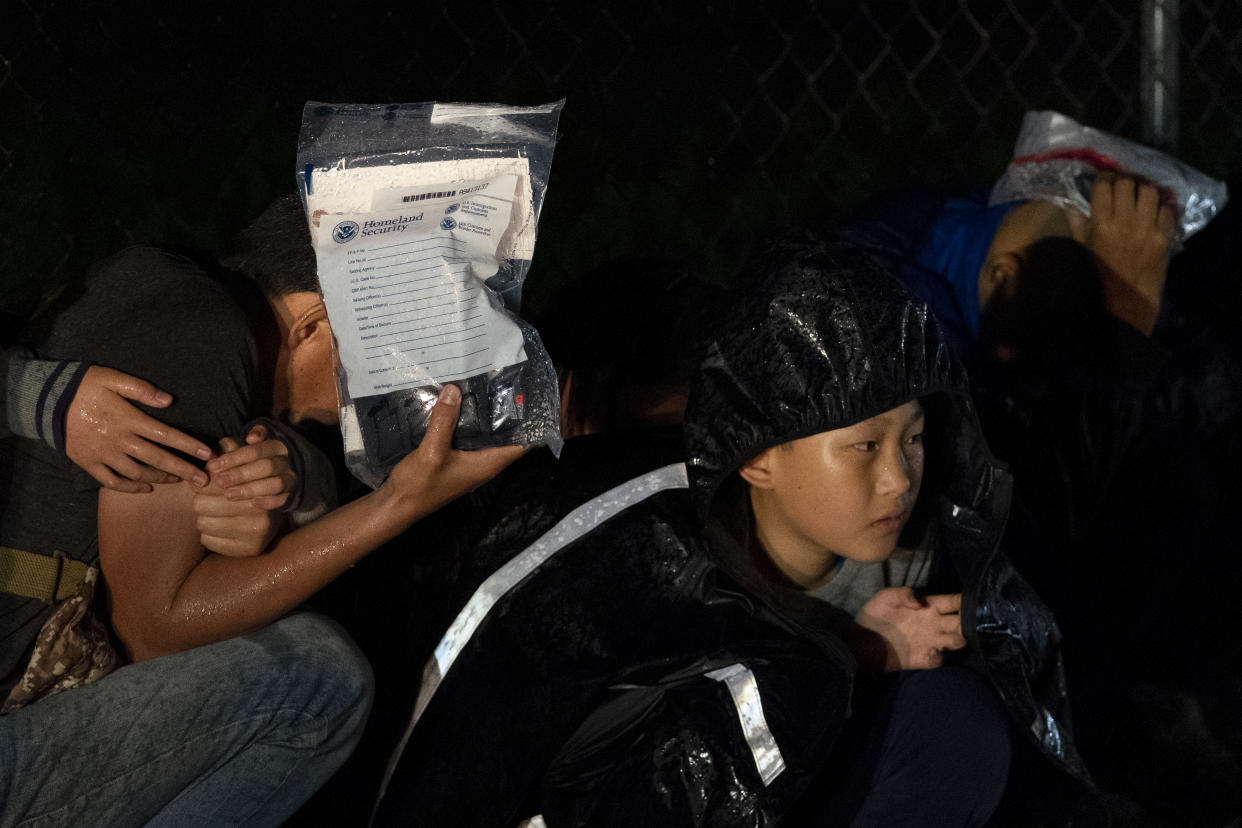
[(236, 733)]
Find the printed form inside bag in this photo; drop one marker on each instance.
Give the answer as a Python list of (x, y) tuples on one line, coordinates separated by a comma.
[(403, 251)]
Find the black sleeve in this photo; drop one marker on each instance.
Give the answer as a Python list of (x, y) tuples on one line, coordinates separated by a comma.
[(314, 478)]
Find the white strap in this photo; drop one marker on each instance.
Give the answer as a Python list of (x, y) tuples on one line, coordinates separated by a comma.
[(745, 692), (573, 526)]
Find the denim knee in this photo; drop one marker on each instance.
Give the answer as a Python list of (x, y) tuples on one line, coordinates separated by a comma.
[(321, 672)]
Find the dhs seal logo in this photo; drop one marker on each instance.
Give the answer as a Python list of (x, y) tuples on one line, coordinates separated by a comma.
[(452, 208), (345, 231), (448, 224)]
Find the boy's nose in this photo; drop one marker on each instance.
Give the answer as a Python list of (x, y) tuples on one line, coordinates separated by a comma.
[(894, 475)]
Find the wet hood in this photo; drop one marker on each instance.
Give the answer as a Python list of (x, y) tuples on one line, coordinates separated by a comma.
[(827, 338)]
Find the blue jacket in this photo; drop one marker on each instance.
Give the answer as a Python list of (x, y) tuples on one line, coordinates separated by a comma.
[(937, 246)]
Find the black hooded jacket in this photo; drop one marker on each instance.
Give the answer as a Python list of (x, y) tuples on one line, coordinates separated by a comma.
[(833, 339), (645, 673)]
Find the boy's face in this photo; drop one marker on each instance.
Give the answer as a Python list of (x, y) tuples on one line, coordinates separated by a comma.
[(844, 493), (305, 371)]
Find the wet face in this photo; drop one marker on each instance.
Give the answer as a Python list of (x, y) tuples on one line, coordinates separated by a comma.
[(844, 493)]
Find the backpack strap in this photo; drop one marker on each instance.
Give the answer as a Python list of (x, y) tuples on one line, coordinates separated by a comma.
[(47, 578)]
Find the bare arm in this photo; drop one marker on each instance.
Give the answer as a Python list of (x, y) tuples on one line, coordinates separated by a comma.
[(170, 594)]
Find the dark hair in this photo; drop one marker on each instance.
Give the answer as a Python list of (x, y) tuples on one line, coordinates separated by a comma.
[(275, 250), (630, 332), (1056, 307)]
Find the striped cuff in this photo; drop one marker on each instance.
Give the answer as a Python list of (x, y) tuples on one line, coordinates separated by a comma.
[(38, 396)]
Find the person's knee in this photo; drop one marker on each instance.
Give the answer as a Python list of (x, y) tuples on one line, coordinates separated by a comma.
[(945, 752), (961, 714), (322, 673), (969, 706)]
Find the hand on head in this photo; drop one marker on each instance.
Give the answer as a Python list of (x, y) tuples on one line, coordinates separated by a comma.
[(915, 631), (1131, 234)]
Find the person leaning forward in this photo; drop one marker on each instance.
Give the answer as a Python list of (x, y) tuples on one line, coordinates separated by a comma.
[(230, 688)]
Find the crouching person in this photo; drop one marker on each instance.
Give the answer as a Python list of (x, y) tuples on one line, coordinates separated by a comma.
[(235, 705), (838, 459), (742, 639)]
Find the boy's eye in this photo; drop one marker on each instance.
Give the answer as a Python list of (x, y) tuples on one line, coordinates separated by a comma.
[(867, 445), (915, 439)]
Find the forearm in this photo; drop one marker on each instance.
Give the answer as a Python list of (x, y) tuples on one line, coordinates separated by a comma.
[(1139, 310), (169, 594), (212, 597)]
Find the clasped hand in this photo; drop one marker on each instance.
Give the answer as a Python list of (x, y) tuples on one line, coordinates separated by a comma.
[(235, 514), (916, 631)]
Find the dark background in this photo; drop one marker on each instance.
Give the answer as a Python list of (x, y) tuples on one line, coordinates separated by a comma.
[(691, 129)]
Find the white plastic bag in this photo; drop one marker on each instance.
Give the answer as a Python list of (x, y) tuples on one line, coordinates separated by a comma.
[(1057, 159), (423, 218)]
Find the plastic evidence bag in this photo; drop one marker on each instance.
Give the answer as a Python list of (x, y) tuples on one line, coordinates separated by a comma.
[(423, 220), (1057, 159)]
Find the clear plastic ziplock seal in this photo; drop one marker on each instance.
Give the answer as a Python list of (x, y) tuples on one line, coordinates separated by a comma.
[(1057, 159), (423, 218)]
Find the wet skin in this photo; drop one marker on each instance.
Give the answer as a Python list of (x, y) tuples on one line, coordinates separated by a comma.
[(843, 493)]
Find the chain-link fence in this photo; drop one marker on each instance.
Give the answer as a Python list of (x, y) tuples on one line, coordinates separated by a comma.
[(690, 130)]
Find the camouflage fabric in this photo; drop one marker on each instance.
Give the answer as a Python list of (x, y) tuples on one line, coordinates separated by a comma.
[(73, 648)]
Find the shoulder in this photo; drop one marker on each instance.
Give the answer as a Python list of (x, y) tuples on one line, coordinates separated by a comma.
[(167, 319), (138, 293)]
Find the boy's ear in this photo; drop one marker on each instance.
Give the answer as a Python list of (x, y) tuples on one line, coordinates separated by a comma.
[(1000, 273), (757, 471), (311, 324)]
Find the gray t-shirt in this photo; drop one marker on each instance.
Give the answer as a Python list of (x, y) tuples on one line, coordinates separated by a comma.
[(856, 582), (156, 316)]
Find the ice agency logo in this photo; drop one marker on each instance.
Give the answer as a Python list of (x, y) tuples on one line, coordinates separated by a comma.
[(345, 231), (448, 224), (452, 208)]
